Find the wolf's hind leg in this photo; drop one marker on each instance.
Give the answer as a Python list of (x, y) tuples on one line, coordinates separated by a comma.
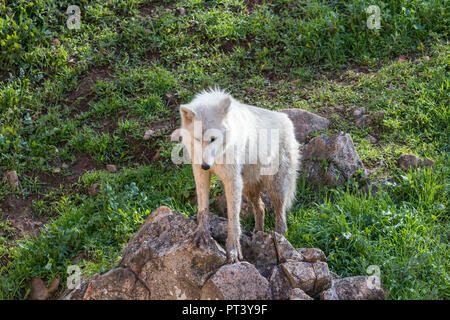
[(253, 193), (279, 200)]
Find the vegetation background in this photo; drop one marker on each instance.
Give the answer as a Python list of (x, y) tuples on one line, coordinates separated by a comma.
[(74, 100)]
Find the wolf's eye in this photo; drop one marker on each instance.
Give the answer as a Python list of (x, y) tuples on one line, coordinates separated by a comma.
[(213, 139)]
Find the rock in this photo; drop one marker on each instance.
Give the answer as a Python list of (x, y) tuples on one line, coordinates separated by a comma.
[(163, 256), (78, 294), (371, 139), (181, 11), (218, 228), (257, 248), (94, 189), (260, 251), (312, 254), (111, 168), (285, 251), (323, 277), (354, 288), (65, 166), (279, 284), (377, 116), (237, 281), (310, 277), (39, 290), (12, 178), (362, 119), (407, 161), (306, 123), (331, 160), (300, 274), (298, 294), (428, 163), (116, 284), (359, 112), (161, 262), (148, 134)]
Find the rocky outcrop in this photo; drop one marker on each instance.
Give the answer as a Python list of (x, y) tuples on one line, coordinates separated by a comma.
[(162, 262), (306, 123), (331, 160)]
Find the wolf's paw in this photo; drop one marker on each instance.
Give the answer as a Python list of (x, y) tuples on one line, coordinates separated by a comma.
[(234, 255), (202, 237)]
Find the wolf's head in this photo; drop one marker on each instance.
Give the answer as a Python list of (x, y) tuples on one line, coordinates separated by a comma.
[(204, 126)]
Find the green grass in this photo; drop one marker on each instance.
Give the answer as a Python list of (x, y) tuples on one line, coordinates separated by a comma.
[(68, 96)]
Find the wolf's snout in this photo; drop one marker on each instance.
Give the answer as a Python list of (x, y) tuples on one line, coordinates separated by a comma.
[(205, 166)]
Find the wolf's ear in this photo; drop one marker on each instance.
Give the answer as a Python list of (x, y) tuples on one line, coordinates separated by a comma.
[(225, 105), (187, 113)]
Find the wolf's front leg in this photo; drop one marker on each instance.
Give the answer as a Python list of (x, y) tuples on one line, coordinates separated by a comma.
[(233, 193), (202, 180)]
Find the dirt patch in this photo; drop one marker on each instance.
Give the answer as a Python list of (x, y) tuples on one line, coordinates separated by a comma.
[(148, 151), (229, 46), (252, 4), (19, 212), (83, 92), (326, 111), (108, 126), (360, 68), (149, 8), (83, 164), (153, 55)]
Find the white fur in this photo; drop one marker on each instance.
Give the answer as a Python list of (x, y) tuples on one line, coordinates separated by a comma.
[(242, 127)]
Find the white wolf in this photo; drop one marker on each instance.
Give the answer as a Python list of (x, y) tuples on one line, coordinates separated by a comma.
[(250, 149)]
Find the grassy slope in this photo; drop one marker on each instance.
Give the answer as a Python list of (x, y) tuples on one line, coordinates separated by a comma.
[(88, 96)]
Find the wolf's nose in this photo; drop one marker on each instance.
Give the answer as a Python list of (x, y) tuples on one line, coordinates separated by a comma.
[(205, 166)]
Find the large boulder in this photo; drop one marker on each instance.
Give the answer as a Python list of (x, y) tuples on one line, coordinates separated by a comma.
[(306, 123), (238, 281), (354, 288), (163, 255), (331, 160)]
